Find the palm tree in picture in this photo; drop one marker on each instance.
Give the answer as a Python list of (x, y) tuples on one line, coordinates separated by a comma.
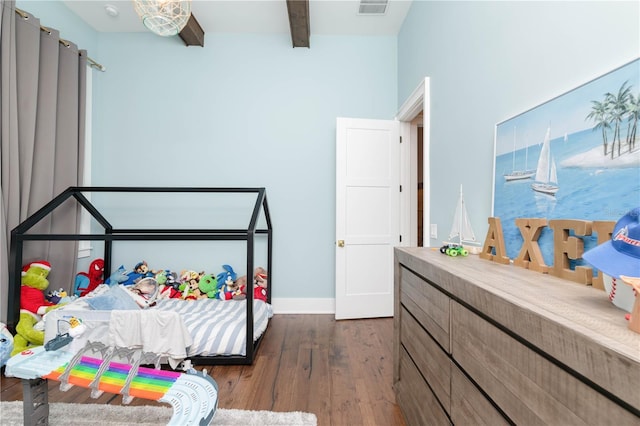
[(633, 109), (600, 115), (617, 105)]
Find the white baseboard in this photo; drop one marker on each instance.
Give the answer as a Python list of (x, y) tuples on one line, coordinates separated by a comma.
[(283, 305)]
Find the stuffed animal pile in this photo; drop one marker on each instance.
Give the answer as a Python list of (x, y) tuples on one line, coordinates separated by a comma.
[(194, 285)]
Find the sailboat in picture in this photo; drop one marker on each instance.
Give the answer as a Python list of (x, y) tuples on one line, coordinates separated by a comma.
[(463, 240), (518, 174), (546, 178)]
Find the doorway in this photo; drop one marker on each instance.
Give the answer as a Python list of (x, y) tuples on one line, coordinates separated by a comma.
[(415, 203)]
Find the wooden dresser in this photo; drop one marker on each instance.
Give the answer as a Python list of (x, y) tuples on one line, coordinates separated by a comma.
[(477, 343)]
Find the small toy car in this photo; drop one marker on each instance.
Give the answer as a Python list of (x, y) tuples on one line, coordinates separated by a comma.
[(454, 250)]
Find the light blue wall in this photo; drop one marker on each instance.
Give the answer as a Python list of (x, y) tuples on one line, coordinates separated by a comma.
[(489, 61), (245, 110)]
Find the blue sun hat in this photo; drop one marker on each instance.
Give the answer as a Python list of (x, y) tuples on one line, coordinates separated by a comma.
[(621, 254)]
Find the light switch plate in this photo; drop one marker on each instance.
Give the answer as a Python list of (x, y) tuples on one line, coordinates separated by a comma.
[(434, 230)]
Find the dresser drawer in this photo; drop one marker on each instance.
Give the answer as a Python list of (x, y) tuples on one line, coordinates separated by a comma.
[(427, 304), (429, 358), (419, 405), (469, 406), (529, 388)]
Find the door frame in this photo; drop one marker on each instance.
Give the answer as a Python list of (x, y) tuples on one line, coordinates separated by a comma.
[(418, 102)]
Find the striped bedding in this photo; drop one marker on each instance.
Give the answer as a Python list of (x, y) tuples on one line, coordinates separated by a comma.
[(218, 327)]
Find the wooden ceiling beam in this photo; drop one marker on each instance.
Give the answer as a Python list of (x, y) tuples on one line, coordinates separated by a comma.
[(192, 34), (299, 22)]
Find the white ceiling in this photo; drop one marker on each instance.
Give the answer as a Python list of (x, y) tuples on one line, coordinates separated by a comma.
[(327, 17)]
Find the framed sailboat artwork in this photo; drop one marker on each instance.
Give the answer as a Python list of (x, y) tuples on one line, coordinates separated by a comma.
[(576, 156)]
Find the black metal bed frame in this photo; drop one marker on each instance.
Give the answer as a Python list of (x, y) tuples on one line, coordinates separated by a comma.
[(19, 235)]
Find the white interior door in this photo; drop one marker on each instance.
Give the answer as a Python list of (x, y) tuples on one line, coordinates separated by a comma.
[(367, 216)]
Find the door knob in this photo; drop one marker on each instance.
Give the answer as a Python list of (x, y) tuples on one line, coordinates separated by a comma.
[(340, 243)]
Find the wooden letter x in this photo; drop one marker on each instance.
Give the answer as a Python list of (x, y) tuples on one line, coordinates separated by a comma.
[(530, 256)]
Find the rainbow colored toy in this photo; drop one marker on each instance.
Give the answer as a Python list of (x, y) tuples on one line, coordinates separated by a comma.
[(193, 395)]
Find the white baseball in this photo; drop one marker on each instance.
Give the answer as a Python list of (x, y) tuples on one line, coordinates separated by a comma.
[(620, 294)]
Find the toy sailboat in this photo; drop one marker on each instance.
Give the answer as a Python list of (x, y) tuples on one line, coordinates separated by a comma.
[(461, 232), (546, 179)]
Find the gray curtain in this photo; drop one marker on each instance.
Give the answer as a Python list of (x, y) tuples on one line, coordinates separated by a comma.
[(42, 118)]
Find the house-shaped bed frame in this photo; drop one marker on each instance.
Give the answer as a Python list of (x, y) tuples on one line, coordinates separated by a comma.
[(20, 235)]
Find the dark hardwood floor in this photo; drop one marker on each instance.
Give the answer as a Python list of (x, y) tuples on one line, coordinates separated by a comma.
[(339, 370)]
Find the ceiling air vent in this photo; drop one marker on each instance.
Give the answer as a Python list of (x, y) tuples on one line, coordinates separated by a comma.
[(372, 7)]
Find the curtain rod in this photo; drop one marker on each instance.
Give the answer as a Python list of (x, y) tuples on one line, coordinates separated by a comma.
[(65, 43)]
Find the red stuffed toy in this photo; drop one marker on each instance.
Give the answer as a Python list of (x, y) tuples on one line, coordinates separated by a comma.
[(238, 289), (88, 281), (260, 284)]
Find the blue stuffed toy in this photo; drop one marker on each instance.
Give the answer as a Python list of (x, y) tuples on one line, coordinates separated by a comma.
[(228, 272), (119, 276), (6, 344), (140, 271)]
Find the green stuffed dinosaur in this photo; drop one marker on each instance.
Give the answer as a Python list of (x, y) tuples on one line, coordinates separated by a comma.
[(208, 286), (32, 306)]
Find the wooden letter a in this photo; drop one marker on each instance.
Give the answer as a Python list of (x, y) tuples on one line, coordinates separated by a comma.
[(494, 241)]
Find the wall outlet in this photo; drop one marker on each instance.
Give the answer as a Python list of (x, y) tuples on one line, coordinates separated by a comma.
[(434, 230)]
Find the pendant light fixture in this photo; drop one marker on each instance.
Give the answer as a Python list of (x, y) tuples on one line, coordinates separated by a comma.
[(163, 17)]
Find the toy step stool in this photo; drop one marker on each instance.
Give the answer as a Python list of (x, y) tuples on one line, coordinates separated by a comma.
[(35, 394), (192, 394)]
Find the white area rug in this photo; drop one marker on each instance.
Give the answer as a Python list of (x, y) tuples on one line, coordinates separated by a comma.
[(122, 415)]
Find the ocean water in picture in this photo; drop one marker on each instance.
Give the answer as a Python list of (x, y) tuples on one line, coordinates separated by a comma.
[(551, 161), (590, 193)]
